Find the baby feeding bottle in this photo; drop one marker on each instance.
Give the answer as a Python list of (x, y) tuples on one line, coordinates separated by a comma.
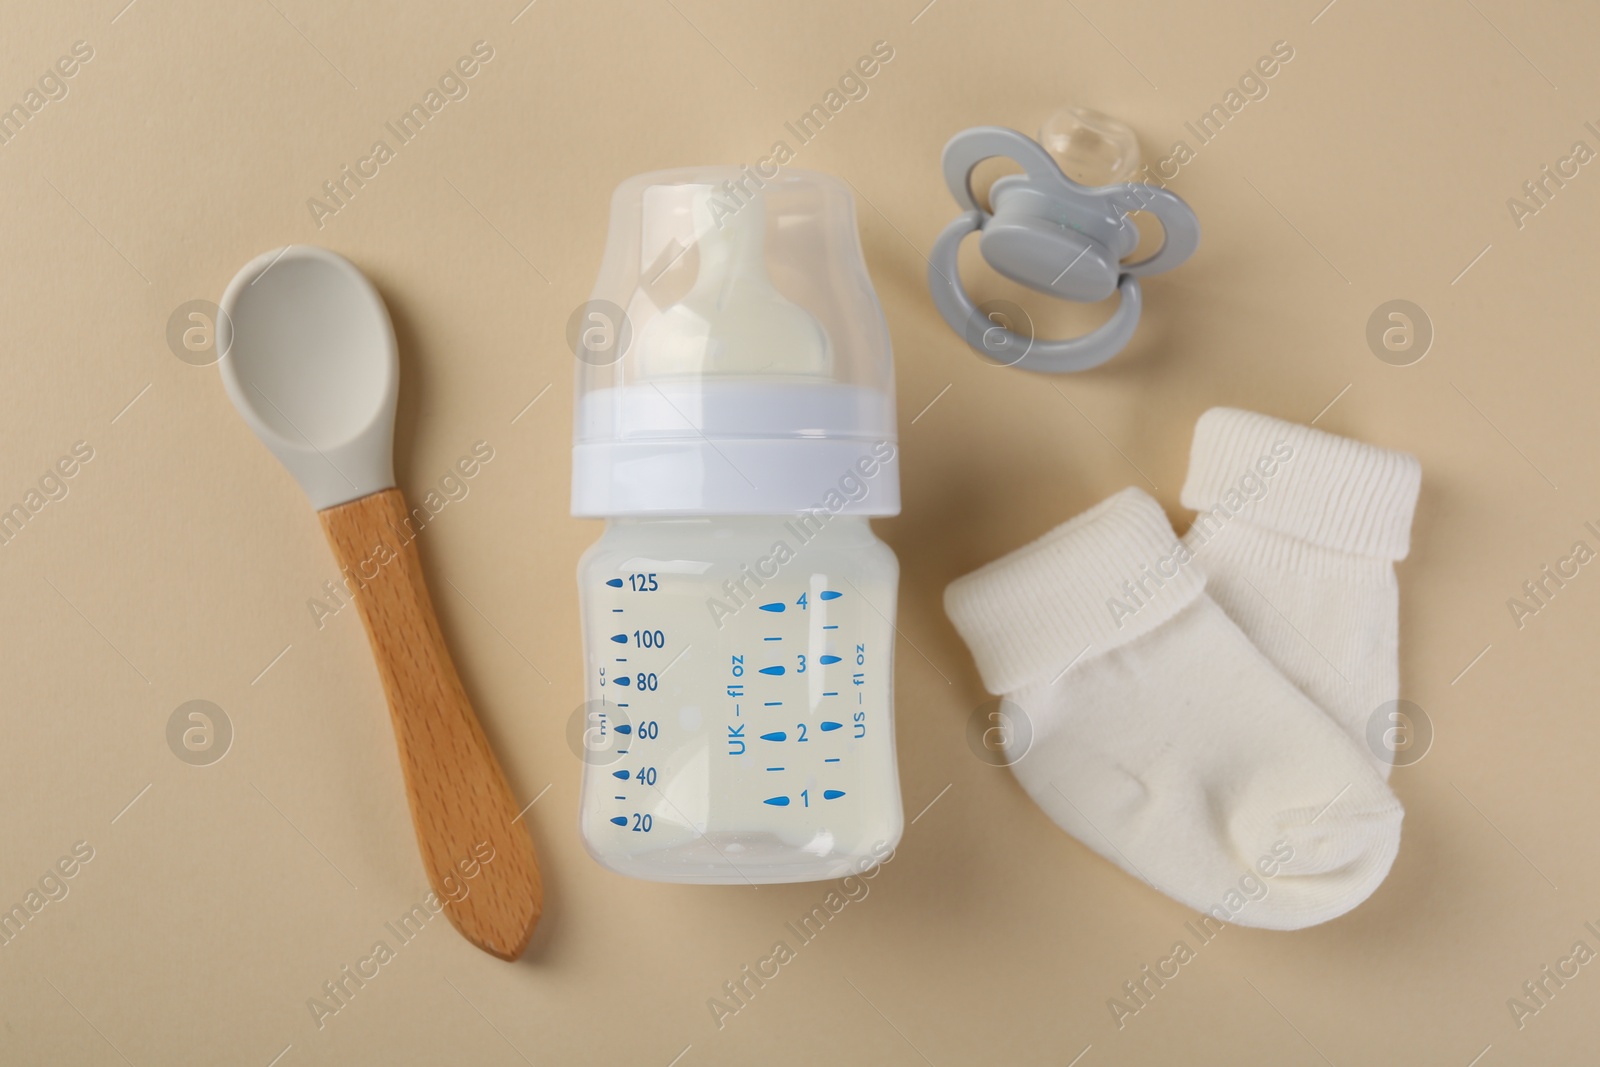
[(735, 427)]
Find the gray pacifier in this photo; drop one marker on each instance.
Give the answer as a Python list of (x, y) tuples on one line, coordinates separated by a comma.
[(1051, 234)]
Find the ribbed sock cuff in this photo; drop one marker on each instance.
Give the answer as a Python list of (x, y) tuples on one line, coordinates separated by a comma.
[(1101, 579), (1328, 490)]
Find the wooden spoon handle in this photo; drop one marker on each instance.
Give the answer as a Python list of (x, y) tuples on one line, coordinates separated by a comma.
[(480, 863)]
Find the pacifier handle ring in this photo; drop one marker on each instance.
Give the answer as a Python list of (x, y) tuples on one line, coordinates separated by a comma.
[(1060, 356)]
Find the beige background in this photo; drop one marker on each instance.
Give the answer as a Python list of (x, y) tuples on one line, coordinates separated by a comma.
[(180, 563)]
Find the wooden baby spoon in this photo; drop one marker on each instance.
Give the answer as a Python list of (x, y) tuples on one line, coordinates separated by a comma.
[(309, 359)]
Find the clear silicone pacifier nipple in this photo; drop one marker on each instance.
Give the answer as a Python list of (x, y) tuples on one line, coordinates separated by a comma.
[(1090, 147), (733, 321)]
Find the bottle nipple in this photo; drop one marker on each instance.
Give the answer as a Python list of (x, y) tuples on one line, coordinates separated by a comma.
[(733, 321)]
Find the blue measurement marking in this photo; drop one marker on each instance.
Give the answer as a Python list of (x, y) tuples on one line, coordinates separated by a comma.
[(776, 605), (829, 726), (831, 759), (619, 798), (832, 794), (774, 768), (622, 659), (772, 639), (834, 626), (826, 660), (616, 611), (615, 583), (773, 704), (620, 704), (622, 752), (776, 735), (620, 639), (832, 694), (619, 820), (624, 729), (777, 802), (829, 594), (774, 671), (621, 679), (620, 774)]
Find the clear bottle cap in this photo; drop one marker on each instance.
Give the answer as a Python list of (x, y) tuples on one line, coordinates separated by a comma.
[(733, 358)]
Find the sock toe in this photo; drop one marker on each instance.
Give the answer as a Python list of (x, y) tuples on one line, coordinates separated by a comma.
[(1318, 862), (1335, 842)]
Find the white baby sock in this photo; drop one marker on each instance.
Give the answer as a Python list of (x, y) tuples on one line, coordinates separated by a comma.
[(1298, 532), (1160, 737)]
